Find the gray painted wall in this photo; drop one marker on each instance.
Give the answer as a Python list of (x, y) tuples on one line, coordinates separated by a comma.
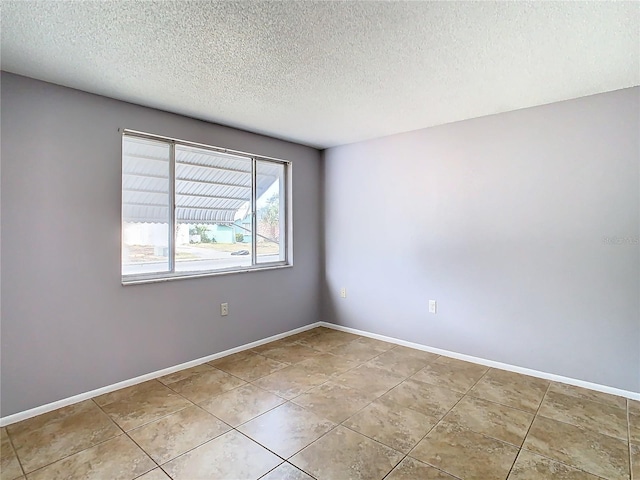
[(501, 220), (68, 325)]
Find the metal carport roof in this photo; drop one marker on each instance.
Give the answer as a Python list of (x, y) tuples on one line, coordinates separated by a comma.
[(211, 187)]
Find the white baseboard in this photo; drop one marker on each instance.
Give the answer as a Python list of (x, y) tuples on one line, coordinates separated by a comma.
[(490, 363), (17, 417)]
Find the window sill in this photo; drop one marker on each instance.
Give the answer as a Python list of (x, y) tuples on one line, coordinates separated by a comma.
[(137, 280)]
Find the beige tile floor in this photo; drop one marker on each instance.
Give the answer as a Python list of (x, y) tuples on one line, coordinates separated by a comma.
[(329, 405)]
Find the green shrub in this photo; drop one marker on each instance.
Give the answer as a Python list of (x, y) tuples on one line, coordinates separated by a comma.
[(203, 231)]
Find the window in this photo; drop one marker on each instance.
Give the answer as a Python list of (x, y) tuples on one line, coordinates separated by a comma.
[(190, 209)]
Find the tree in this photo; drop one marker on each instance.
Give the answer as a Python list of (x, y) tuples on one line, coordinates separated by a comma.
[(202, 230), (269, 215)]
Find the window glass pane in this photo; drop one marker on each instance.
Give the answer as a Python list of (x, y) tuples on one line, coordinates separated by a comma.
[(270, 212), (145, 206), (213, 210)]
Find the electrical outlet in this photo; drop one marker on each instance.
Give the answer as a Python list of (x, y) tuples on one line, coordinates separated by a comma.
[(343, 292), (224, 309), (432, 306)]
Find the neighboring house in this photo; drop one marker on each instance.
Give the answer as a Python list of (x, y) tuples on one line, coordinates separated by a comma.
[(243, 227), (227, 232), (222, 233)]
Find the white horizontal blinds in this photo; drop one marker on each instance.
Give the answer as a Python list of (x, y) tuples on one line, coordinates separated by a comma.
[(211, 187), (146, 197), (270, 212)]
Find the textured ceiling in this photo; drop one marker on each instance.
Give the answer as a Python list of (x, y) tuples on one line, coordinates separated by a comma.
[(327, 73)]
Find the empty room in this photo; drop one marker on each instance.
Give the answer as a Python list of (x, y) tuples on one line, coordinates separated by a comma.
[(330, 240)]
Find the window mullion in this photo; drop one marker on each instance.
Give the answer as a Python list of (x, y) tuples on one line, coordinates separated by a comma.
[(285, 202), (172, 207), (254, 220)]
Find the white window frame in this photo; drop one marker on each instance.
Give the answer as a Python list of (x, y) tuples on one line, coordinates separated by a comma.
[(171, 274)]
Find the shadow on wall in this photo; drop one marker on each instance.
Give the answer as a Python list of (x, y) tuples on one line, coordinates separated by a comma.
[(329, 311)]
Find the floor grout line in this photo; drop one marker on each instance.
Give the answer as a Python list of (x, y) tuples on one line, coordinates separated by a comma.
[(594, 400), (341, 424), (581, 427), (15, 452), (24, 471), (442, 418), (537, 414), (524, 439), (434, 425), (128, 436), (75, 453), (193, 404), (286, 460)]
